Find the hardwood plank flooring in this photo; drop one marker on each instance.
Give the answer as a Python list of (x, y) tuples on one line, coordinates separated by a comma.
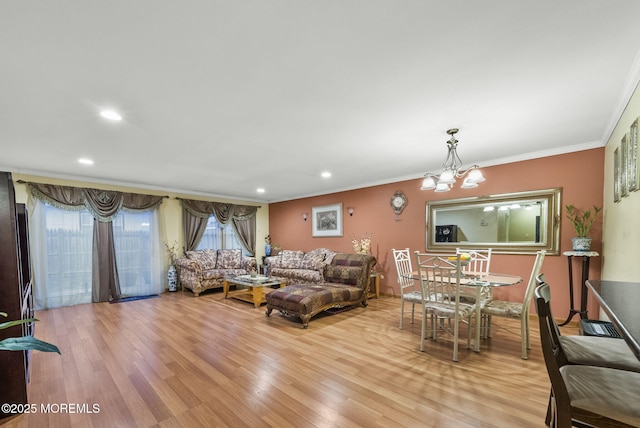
[(181, 361)]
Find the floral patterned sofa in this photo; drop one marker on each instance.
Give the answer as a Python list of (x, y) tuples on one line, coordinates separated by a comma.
[(346, 283), (204, 269), (294, 267)]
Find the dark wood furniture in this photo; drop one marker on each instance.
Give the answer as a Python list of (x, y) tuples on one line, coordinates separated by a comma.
[(619, 300), (15, 292), (583, 395), (586, 256)]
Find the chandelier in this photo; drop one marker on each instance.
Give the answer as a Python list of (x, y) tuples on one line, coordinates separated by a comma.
[(451, 169)]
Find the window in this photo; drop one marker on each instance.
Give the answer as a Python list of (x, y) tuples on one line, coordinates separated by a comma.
[(64, 271), (62, 249), (219, 237), (134, 255)]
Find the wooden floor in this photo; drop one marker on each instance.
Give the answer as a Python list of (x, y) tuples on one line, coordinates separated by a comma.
[(181, 361)]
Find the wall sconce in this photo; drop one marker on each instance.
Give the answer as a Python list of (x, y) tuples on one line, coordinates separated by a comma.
[(350, 211), (305, 216)]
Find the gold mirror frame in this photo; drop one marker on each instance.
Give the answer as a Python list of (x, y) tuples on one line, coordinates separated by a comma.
[(549, 222)]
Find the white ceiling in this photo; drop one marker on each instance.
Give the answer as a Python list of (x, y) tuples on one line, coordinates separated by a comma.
[(222, 97)]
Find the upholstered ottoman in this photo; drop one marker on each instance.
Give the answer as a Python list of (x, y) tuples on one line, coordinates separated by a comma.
[(346, 283), (307, 300)]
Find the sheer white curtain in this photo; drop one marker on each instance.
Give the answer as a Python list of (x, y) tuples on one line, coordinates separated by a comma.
[(61, 250), (218, 237), (138, 253)]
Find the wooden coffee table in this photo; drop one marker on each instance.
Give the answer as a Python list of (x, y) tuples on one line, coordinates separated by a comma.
[(256, 288)]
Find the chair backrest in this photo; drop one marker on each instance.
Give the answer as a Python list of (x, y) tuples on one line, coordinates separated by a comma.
[(402, 259), (439, 277), (480, 260), (554, 356), (531, 285)]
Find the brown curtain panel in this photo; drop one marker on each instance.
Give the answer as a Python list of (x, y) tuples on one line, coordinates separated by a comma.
[(241, 217), (104, 205)]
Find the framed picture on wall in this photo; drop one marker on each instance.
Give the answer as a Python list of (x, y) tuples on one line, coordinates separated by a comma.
[(616, 175), (624, 184), (632, 175), (326, 220)]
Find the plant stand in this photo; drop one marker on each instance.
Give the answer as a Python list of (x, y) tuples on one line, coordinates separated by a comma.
[(586, 256)]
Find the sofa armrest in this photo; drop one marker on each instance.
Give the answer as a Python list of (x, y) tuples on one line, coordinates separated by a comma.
[(248, 263), (273, 261), (188, 264), (350, 269)]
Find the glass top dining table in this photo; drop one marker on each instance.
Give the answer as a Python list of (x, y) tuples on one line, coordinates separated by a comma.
[(480, 281)]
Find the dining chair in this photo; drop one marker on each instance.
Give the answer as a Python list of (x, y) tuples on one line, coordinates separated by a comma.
[(583, 395), (440, 285), (596, 351), (479, 262), (408, 292), (478, 265), (516, 310)]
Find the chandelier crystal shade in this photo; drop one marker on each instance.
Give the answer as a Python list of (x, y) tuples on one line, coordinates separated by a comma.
[(452, 170)]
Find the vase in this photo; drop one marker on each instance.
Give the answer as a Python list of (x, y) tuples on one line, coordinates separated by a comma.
[(267, 250), (172, 278), (581, 244)]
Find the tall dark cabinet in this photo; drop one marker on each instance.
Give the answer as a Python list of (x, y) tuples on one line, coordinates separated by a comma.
[(15, 292)]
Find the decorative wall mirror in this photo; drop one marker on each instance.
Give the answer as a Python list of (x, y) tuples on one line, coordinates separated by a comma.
[(510, 223)]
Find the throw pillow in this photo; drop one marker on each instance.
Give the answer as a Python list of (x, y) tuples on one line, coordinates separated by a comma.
[(291, 259), (229, 259), (206, 258), (314, 259)]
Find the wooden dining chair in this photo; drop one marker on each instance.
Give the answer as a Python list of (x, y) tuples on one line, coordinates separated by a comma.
[(583, 395), (516, 310), (440, 285), (408, 292), (596, 351)]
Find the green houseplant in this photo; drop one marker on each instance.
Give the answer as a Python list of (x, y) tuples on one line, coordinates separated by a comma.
[(23, 343), (582, 221)]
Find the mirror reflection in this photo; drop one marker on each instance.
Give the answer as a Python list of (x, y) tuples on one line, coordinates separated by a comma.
[(509, 223)]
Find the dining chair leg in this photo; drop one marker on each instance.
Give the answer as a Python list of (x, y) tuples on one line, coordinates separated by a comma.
[(413, 310), (523, 337), (423, 331), (401, 312), (550, 410), (456, 328)]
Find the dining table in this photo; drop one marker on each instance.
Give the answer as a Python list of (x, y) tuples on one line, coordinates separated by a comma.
[(483, 282), (619, 300)]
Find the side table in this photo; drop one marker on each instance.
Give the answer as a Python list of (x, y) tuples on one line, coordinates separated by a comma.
[(374, 279), (586, 256)]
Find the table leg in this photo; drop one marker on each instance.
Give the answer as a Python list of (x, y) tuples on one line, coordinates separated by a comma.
[(225, 288), (257, 296)]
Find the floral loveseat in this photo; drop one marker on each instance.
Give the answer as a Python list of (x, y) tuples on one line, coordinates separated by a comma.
[(346, 283), (294, 267), (205, 269)]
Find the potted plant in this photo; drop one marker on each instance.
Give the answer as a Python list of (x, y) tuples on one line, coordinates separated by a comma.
[(582, 221), (24, 343)]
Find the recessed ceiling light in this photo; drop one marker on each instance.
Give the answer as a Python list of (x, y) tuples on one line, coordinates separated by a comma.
[(110, 114), (260, 190), (85, 161), (326, 174)]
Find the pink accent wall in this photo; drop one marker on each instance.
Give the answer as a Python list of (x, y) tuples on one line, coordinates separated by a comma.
[(580, 174)]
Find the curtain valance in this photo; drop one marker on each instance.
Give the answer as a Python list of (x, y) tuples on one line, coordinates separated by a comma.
[(222, 211), (103, 204), (241, 217)]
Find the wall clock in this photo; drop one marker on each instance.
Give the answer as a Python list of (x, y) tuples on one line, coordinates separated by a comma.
[(398, 202)]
